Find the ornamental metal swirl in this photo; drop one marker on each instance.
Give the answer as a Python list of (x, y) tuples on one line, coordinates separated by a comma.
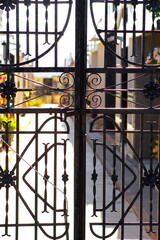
[(67, 81), (93, 98)]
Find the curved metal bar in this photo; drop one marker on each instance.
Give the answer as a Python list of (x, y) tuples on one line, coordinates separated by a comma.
[(38, 131), (120, 130), (66, 100), (37, 222), (120, 221), (31, 168), (96, 99), (95, 81), (65, 80), (127, 187)]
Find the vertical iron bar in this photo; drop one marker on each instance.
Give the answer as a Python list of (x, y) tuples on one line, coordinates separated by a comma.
[(7, 38), (115, 25), (151, 171), (17, 174), (36, 175), (109, 61), (46, 177), (158, 173), (80, 120), (143, 34), (141, 176), (46, 26), (134, 31), (104, 177), (7, 189), (152, 37), (55, 177), (94, 177), (36, 35), (65, 179), (56, 29), (124, 33), (27, 32), (123, 178), (114, 178), (17, 33)]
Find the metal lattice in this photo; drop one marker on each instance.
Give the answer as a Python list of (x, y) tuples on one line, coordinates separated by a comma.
[(110, 104)]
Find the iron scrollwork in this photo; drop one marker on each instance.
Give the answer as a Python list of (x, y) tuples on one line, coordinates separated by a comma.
[(93, 98), (67, 81)]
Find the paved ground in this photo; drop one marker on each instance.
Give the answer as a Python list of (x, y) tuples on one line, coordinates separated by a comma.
[(131, 232)]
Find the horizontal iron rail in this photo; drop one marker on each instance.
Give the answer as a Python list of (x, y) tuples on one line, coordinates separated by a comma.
[(148, 69), (124, 111), (127, 131), (72, 111), (10, 69), (62, 224), (126, 224)]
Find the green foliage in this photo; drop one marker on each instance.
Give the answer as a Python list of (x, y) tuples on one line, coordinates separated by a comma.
[(11, 125), (36, 102)]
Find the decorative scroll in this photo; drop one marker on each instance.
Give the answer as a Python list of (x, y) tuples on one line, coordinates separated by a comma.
[(94, 80), (93, 98), (67, 80), (66, 100)]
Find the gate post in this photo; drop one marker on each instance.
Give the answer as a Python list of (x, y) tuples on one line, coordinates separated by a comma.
[(80, 120)]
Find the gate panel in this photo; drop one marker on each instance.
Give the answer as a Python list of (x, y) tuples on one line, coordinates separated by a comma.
[(111, 155), (34, 176), (127, 202)]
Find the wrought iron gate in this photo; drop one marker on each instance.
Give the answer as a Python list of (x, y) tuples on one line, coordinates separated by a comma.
[(103, 183)]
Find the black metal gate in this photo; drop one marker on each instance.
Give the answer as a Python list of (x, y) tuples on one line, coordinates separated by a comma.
[(79, 133)]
